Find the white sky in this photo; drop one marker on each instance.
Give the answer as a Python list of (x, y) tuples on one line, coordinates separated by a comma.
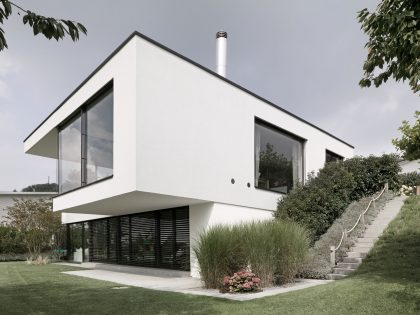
[(305, 56)]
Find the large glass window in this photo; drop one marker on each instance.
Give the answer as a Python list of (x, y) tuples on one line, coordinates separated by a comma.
[(86, 144), (70, 143), (278, 159), (99, 140)]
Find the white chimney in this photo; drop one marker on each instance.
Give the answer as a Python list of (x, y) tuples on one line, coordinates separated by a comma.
[(221, 39)]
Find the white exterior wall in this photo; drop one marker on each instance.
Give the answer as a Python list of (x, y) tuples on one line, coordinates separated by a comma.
[(180, 135), (121, 69), (410, 166), (205, 215), (195, 132)]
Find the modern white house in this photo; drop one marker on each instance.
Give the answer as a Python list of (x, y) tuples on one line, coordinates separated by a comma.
[(154, 148), (7, 199)]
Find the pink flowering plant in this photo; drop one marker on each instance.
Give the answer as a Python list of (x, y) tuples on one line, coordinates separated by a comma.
[(241, 281)]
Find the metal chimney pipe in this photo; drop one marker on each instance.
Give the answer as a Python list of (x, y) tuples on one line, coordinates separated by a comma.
[(221, 39)]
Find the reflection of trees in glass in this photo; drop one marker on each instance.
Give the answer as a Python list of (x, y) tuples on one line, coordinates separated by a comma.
[(275, 169)]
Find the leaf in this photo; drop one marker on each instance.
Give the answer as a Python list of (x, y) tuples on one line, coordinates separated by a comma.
[(7, 7), (82, 28), (3, 43)]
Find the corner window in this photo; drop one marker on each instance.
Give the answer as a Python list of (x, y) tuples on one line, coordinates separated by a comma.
[(278, 158), (70, 157), (332, 157), (86, 143), (99, 139)]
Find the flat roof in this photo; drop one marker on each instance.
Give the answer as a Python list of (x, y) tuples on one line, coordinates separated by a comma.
[(136, 33)]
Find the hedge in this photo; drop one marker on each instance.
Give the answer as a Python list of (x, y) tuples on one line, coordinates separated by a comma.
[(324, 197)]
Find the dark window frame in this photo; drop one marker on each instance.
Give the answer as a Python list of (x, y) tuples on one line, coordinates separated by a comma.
[(338, 157), (82, 113), (286, 133)]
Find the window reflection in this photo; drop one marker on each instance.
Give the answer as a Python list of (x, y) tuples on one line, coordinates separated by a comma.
[(100, 139), (70, 155), (89, 138), (332, 157), (278, 159)]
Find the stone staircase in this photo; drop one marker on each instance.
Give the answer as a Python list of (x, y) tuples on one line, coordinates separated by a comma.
[(364, 244)]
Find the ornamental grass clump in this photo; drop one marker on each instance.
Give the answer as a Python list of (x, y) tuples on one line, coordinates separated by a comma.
[(274, 250), (241, 282), (219, 252)]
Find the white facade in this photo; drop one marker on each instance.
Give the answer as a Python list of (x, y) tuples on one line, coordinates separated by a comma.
[(181, 134), (410, 166)]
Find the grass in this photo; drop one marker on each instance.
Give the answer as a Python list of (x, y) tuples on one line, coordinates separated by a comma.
[(387, 282)]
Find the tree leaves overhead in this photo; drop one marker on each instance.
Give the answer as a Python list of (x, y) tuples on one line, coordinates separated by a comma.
[(394, 43), (47, 26), (409, 144)]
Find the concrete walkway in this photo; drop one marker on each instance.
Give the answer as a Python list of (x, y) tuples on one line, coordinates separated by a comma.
[(186, 285)]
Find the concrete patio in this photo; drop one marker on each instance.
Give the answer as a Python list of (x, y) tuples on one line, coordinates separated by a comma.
[(174, 281)]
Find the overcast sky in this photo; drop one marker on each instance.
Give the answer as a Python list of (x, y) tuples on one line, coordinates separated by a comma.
[(305, 56)]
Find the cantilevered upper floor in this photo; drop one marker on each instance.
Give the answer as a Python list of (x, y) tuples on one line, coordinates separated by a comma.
[(150, 129)]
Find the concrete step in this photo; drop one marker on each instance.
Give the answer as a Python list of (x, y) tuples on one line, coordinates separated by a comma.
[(335, 276), (352, 260), (370, 240), (356, 255), (363, 245), (343, 271), (358, 249), (351, 265)]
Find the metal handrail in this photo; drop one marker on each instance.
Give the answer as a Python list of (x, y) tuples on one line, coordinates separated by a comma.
[(333, 249)]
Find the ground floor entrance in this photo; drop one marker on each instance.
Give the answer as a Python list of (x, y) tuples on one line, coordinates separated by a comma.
[(158, 239)]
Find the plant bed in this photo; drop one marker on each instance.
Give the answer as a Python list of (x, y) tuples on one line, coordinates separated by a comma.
[(241, 282)]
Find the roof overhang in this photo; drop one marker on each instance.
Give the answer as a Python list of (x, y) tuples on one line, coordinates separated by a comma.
[(132, 202)]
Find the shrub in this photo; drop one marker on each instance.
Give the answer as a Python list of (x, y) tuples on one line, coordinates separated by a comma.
[(274, 250), (371, 173), (219, 253), (323, 198), (242, 281), (11, 241), (35, 221), (318, 203), (409, 179)]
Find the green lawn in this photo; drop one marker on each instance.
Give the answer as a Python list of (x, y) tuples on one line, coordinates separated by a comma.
[(387, 283)]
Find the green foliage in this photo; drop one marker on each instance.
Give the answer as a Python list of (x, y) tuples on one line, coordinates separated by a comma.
[(219, 253), (394, 43), (36, 222), (409, 144), (53, 187), (371, 173), (319, 202), (11, 240), (274, 250), (47, 26), (409, 179)]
